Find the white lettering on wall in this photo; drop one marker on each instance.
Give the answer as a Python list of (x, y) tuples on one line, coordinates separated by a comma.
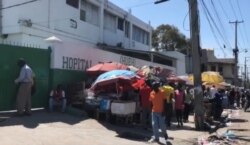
[(75, 63)]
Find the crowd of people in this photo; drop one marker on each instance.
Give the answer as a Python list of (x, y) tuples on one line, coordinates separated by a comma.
[(162, 101), (158, 101)]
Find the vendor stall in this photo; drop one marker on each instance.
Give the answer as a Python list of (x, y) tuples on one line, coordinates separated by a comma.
[(113, 94)]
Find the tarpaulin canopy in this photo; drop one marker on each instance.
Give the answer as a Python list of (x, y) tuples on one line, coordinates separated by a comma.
[(113, 77), (210, 77), (106, 66)]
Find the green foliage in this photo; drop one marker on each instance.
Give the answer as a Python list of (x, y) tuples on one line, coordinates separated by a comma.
[(167, 37)]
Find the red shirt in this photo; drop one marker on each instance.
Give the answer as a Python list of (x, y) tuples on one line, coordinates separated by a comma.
[(179, 99), (144, 95), (57, 95)]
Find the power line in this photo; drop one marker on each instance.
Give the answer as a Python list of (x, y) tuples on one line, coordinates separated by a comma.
[(225, 13), (230, 2), (211, 26), (227, 16), (213, 22), (242, 36), (220, 23), (160, 1), (238, 5), (244, 26), (16, 5), (141, 4), (183, 22), (236, 17)]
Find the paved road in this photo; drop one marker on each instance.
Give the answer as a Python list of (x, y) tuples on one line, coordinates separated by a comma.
[(44, 128)]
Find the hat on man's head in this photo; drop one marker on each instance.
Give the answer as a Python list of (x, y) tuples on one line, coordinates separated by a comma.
[(21, 62)]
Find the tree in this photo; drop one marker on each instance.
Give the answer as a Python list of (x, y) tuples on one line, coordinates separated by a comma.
[(167, 37)]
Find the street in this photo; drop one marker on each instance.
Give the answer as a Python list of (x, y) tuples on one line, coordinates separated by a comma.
[(43, 128)]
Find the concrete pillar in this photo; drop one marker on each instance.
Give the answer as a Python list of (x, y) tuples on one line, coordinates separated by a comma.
[(101, 14), (130, 30), (150, 36)]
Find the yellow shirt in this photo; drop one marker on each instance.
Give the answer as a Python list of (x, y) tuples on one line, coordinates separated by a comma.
[(168, 90)]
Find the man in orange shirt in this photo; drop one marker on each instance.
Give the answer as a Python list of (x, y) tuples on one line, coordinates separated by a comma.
[(157, 98)]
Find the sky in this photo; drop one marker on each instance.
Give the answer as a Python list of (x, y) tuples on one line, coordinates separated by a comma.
[(221, 37)]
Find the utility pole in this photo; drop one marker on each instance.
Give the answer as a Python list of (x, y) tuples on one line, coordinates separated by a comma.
[(236, 51), (196, 53), (196, 62), (245, 75), (247, 79)]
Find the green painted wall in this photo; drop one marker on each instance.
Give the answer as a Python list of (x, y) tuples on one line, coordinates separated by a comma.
[(60, 76), (37, 59), (46, 78)]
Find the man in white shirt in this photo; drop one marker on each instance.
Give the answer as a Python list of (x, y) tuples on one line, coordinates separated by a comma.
[(213, 91), (25, 81)]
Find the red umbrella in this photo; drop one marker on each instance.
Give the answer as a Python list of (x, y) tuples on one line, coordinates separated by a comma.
[(107, 66)]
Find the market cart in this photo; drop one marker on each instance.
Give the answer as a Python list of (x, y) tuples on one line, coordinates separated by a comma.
[(123, 109)]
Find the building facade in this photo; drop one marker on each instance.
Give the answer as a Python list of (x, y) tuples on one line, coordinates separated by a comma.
[(80, 27), (225, 66)]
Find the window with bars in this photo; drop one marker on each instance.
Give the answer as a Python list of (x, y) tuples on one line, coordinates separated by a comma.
[(120, 24), (83, 15), (140, 35), (109, 21), (89, 12)]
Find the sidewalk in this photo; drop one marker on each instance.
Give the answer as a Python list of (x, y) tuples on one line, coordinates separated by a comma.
[(44, 128)]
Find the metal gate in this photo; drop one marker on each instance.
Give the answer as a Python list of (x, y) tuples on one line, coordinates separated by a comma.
[(37, 59)]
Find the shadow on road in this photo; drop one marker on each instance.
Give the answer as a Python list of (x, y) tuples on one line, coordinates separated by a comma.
[(236, 129), (134, 136), (139, 137), (38, 117), (238, 120), (173, 128), (243, 138)]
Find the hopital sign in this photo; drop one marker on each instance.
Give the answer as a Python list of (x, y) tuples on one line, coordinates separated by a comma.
[(75, 63)]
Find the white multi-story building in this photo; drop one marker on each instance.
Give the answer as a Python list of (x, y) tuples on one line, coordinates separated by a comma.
[(80, 26)]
